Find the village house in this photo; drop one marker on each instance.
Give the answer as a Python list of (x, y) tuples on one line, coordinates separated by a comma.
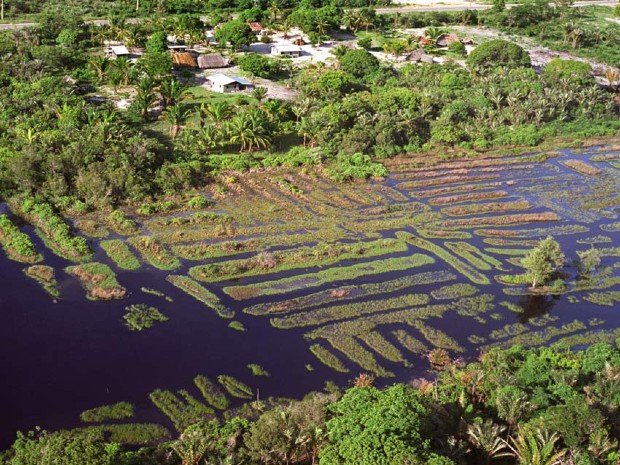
[(224, 84), (115, 51), (257, 29), (212, 60), (292, 51)]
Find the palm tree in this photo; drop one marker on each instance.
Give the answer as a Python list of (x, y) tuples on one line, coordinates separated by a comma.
[(100, 66), (217, 112), (351, 19), (176, 116), (145, 97), (248, 129), (207, 138), (576, 36), (172, 91), (191, 447), (321, 27), (612, 75), (395, 47), (535, 447), (259, 94), (486, 438), (122, 66), (275, 109), (274, 10)]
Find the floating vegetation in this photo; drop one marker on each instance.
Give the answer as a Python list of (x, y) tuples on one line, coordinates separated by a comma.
[(222, 249), (475, 339), (595, 240), (328, 358), (564, 230), (236, 325), (235, 387), (596, 322), (587, 338), (300, 257), (139, 317), (45, 276), (183, 409), (344, 311), (463, 268), (318, 278), (99, 280), (410, 343), (611, 227), (359, 355), (482, 208), (454, 291), (92, 228), (411, 185), (131, 434), (438, 338), (512, 307), (502, 220), (512, 252), (470, 197), (121, 223), (118, 411), (542, 337), (154, 253), (581, 167), (211, 393), (345, 293), (17, 245), (609, 251), (258, 370), (198, 292), (473, 255), (438, 234), (197, 219), (603, 298), (382, 346), (120, 254), (155, 292), (510, 242)]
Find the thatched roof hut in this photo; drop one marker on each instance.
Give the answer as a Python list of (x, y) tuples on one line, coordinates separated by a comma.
[(184, 59), (419, 56), (444, 40), (212, 60)]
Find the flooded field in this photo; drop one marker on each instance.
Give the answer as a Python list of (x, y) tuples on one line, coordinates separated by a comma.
[(290, 280)]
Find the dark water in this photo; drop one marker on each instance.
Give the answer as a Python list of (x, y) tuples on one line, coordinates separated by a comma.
[(58, 359)]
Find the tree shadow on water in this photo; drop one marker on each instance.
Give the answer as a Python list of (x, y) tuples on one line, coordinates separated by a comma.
[(535, 306)]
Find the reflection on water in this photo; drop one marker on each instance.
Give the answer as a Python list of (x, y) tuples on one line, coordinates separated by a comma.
[(535, 306)]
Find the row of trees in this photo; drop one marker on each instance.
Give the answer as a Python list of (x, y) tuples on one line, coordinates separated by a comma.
[(514, 407)]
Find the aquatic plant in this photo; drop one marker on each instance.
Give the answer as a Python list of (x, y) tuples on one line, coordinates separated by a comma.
[(117, 411), (120, 254), (438, 338), (482, 208), (454, 291), (469, 197), (463, 268), (235, 387), (473, 255), (359, 355), (382, 346), (328, 358), (409, 342), (17, 245), (45, 276), (211, 393), (153, 252), (563, 230), (258, 370), (318, 278), (236, 325), (608, 298), (155, 292), (345, 293), (99, 280), (183, 409), (131, 434), (581, 167), (197, 219), (198, 292), (139, 317), (121, 223)]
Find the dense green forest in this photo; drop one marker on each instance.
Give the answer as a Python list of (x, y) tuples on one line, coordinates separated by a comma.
[(516, 406)]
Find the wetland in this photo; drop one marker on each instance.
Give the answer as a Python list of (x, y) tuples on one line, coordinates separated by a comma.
[(272, 291)]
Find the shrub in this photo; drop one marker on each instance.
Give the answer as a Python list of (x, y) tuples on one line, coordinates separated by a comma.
[(359, 63), (496, 53), (358, 166), (259, 65)]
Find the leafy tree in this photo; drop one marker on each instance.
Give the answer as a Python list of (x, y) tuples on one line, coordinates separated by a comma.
[(236, 33), (359, 63), (259, 65), (155, 65), (157, 43), (496, 53), (543, 261), (589, 260), (373, 427)]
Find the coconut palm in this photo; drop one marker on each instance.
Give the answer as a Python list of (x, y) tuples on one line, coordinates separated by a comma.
[(274, 10), (172, 91), (352, 20), (535, 446), (207, 138), (122, 66), (249, 130), (145, 97), (321, 27), (217, 112), (100, 66), (487, 439), (259, 94), (176, 116)]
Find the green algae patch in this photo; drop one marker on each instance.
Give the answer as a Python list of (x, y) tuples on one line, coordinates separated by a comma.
[(199, 292)]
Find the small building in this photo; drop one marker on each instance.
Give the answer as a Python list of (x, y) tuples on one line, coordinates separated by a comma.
[(212, 60), (115, 51), (224, 84), (419, 56), (177, 48), (445, 40), (257, 29), (184, 59), (292, 51)]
